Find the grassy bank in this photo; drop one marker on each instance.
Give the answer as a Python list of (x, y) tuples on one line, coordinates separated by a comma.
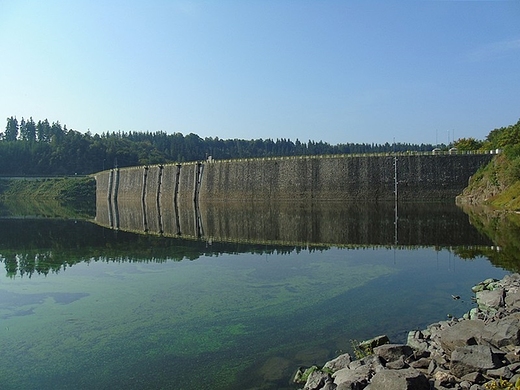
[(75, 197)]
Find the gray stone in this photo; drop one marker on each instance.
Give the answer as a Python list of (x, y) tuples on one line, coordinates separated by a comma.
[(512, 299), (417, 341), (514, 367), (503, 333), (407, 379), (329, 385), (351, 386), (316, 380), (473, 358), (421, 363), (397, 364), (490, 299), (512, 357), (443, 378), (348, 379), (338, 363), (474, 377), (465, 385), (502, 372), (461, 334), (392, 352), (432, 367), (368, 345)]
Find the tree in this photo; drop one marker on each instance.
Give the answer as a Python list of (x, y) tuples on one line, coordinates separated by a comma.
[(11, 130), (30, 130), (467, 144), (43, 130)]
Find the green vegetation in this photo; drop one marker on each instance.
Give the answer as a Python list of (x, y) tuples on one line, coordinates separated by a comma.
[(498, 384), (51, 197), (42, 148), (498, 183)]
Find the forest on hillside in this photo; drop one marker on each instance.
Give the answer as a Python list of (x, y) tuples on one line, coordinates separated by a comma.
[(43, 148)]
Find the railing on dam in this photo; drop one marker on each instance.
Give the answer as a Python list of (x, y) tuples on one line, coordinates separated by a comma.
[(434, 152)]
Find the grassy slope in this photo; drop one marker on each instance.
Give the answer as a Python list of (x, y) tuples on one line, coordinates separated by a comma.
[(495, 185), (60, 197)]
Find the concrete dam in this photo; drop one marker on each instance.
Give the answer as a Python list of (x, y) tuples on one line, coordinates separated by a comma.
[(184, 199)]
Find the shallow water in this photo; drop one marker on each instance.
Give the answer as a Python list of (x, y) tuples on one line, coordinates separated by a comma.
[(123, 311)]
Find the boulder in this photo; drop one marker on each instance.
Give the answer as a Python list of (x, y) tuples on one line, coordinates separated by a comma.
[(338, 363), (503, 333), (353, 379), (512, 299), (417, 340), (490, 299), (368, 345), (461, 334), (407, 379), (316, 380), (393, 352), (473, 358)]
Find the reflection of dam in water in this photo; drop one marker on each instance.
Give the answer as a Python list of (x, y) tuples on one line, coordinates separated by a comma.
[(294, 200), (329, 223)]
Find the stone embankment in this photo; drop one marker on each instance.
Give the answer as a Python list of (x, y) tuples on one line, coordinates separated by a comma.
[(479, 351)]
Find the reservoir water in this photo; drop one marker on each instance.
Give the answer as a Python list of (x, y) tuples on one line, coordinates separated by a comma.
[(238, 305)]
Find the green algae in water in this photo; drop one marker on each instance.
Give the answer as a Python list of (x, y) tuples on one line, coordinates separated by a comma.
[(135, 313), (200, 324)]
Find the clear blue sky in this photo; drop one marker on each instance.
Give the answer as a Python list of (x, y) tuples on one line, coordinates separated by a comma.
[(337, 71)]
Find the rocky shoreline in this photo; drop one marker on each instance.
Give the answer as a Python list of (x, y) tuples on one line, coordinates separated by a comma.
[(480, 351)]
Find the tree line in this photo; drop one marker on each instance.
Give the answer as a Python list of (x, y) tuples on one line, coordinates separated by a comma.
[(43, 148)]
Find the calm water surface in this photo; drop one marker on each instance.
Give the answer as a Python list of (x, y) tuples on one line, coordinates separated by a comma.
[(84, 307)]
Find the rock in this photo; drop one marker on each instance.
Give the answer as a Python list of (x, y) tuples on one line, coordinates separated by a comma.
[(504, 333), (512, 299), (397, 364), (407, 379), (316, 380), (392, 352), (444, 379), (329, 385), (484, 285), (473, 358), (417, 340), (368, 345), (490, 299), (461, 334), (338, 363), (352, 379), (461, 353), (421, 363), (465, 385), (502, 372), (474, 377)]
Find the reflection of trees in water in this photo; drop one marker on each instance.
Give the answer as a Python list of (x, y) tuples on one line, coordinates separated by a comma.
[(43, 246), (503, 229)]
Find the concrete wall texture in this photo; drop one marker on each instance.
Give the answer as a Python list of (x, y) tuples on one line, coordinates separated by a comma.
[(424, 177), (330, 178)]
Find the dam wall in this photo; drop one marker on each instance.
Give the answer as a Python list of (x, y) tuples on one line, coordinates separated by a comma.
[(329, 178), (218, 198), (419, 178)]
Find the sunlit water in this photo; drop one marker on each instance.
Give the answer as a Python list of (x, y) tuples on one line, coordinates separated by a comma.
[(233, 319)]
